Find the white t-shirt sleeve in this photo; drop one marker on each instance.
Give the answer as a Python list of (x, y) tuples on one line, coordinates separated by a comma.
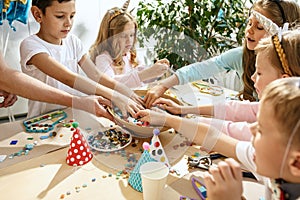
[(130, 79), (245, 154), (28, 48)]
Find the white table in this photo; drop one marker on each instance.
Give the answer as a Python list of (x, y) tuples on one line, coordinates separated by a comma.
[(44, 174)]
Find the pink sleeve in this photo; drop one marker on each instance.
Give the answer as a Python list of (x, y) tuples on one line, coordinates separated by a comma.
[(238, 111), (130, 79), (237, 130)]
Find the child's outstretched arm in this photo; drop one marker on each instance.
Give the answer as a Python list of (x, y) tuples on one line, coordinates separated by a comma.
[(53, 68), (12, 81), (96, 75), (176, 109), (205, 135)]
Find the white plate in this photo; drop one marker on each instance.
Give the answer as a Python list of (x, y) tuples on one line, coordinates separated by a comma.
[(109, 139)]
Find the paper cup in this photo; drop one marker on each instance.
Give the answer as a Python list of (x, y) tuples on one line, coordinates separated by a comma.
[(154, 177)]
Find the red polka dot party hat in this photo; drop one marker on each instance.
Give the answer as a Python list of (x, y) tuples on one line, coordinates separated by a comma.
[(79, 153)]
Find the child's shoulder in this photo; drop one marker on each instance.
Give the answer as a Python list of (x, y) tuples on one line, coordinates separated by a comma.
[(104, 56), (31, 37), (31, 40), (72, 37)]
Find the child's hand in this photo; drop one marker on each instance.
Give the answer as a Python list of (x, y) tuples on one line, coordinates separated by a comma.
[(93, 104), (168, 105), (153, 117), (163, 61), (153, 94), (155, 71), (225, 181), (9, 99), (126, 104), (137, 99)]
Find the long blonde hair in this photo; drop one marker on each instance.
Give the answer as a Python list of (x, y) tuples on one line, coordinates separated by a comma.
[(291, 13), (112, 24)]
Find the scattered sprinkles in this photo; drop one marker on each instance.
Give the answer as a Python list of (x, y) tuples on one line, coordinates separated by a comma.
[(13, 142), (24, 151), (120, 174)]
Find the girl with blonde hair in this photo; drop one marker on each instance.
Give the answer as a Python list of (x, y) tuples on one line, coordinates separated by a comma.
[(114, 51)]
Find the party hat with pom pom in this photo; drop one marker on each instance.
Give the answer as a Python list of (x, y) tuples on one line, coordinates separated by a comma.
[(156, 149), (79, 153), (135, 179)]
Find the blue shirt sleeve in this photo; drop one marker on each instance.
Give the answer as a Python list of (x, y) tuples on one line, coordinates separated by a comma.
[(229, 60)]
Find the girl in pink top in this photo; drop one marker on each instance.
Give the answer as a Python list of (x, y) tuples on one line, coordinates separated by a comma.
[(114, 50)]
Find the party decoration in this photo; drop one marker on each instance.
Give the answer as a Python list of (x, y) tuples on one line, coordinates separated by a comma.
[(14, 10), (156, 149), (270, 26), (79, 153), (135, 179)]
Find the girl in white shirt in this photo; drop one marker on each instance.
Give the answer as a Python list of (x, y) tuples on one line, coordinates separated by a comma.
[(114, 51)]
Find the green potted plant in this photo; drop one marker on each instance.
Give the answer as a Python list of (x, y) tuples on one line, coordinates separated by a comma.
[(188, 31)]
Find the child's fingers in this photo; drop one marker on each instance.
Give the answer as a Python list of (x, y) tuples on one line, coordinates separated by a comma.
[(163, 101), (150, 98), (217, 175), (208, 180), (164, 61), (107, 115), (104, 101), (225, 170), (235, 168), (9, 100), (139, 101), (142, 113)]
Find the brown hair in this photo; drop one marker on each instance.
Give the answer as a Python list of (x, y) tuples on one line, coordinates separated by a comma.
[(284, 96), (112, 24), (43, 4), (291, 13)]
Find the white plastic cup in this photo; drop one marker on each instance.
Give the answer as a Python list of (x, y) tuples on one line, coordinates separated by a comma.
[(154, 177)]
